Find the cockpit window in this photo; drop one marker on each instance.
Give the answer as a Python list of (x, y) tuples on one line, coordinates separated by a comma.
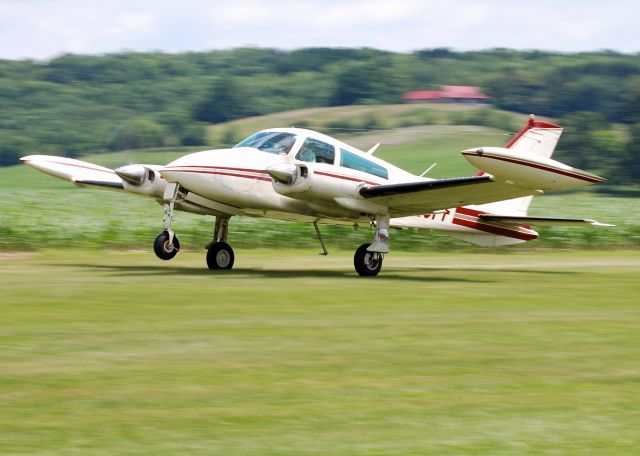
[(353, 161), (270, 141), (314, 151)]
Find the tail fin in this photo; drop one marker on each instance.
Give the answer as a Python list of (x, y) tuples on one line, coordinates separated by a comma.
[(536, 137)]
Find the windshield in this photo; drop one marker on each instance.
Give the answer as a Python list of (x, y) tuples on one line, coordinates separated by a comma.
[(273, 142)]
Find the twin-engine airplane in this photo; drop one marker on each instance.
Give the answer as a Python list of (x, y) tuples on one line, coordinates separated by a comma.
[(301, 175)]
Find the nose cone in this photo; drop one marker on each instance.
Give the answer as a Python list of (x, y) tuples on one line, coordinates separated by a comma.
[(284, 173), (132, 174)]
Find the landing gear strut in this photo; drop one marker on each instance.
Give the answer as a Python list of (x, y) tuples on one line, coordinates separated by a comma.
[(219, 253), (166, 245)]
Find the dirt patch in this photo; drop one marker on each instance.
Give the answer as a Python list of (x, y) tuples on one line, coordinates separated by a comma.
[(15, 255)]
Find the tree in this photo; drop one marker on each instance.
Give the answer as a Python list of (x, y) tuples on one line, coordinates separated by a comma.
[(194, 134), (225, 101), (373, 81), (12, 147), (580, 142), (137, 133), (630, 164)]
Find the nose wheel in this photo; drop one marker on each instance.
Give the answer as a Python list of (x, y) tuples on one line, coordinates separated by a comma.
[(165, 247)]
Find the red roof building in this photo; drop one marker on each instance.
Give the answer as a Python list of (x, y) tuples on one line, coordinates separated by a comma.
[(447, 94)]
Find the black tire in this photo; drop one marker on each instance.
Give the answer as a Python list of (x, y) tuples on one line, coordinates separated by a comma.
[(163, 249), (367, 263), (220, 256)]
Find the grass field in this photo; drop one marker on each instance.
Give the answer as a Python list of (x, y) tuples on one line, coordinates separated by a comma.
[(106, 353)]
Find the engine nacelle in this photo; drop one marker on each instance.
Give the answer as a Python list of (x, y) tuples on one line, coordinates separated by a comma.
[(290, 179), (143, 179)]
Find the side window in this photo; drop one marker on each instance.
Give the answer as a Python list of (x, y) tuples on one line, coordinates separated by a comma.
[(353, 161), (314, 151)]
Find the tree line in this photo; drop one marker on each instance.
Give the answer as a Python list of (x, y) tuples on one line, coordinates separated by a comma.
[(77, 104)]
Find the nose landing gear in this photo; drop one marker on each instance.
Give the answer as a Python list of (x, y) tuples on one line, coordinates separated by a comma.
[(166, 245)]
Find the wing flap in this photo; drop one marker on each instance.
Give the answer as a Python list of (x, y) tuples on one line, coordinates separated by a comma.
[(102, 184)]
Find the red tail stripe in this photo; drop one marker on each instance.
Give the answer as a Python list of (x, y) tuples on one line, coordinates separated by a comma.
[(531, 124), (495, 229)]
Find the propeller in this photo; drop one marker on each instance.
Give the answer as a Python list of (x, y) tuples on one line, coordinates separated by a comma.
[(285, 173), (132, 174)]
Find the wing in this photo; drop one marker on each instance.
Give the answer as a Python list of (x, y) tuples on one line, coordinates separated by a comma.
[(84, 174), (81, 173), (427, 196)]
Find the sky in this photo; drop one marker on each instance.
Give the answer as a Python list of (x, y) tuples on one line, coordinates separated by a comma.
[(43, 29)]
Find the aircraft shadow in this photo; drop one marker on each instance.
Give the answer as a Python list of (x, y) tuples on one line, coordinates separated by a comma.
[(404, 274)]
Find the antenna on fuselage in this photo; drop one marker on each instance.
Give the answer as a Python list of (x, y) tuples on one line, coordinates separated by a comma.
[(428, 169), (373, 149)]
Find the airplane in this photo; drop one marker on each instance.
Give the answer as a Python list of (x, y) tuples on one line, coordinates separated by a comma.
[(301, 175)]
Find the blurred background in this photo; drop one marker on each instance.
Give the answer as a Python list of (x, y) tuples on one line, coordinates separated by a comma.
[(116, 83)]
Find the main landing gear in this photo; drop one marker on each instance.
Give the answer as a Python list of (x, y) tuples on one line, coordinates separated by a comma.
[(367, 263), (368, 257), (219, 253)]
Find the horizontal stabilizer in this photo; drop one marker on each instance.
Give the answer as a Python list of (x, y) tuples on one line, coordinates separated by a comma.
[(107, 185), (528, 170), (523, 220)]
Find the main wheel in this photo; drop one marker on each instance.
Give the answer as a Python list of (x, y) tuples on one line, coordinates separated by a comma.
[(163, 248), (367, 263), (220, 256)]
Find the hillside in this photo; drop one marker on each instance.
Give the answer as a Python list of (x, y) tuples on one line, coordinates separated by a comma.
[(75, 105)]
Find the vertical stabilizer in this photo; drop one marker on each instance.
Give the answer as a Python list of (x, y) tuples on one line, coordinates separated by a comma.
[(536, 137)]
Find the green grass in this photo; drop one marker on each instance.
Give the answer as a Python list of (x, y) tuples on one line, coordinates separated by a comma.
[(109, 353)]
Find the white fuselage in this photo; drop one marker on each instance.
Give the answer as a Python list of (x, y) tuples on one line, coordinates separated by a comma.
[(238, 177)]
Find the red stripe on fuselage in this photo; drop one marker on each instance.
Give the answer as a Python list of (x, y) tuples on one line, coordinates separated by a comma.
[(220, 173), (339, 176), (175, 167)]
